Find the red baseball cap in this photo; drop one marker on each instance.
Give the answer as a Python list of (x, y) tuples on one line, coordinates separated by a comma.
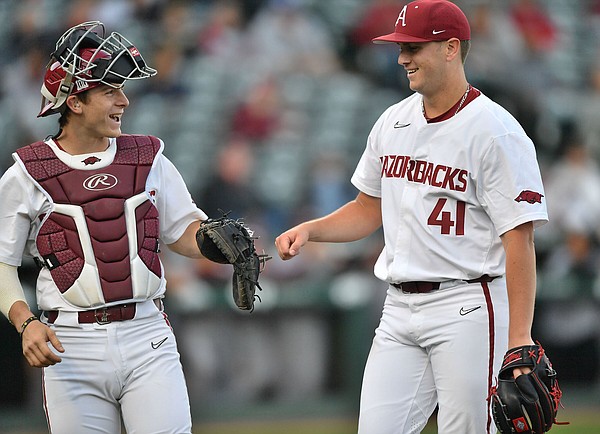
[(428, 20)]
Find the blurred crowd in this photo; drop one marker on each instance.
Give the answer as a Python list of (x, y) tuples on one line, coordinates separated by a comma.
[(265, 106)]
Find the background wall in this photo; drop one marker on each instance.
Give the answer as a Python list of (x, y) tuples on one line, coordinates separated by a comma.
[(265, 106)]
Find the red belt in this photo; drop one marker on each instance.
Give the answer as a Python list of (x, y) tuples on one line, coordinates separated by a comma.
[(425, 287), (105, 315)]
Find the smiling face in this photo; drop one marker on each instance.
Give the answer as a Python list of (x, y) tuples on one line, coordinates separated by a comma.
[(101, 112), (93, 117), (425, 64)]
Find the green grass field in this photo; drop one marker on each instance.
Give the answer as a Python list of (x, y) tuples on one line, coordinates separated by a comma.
[(581, 422)]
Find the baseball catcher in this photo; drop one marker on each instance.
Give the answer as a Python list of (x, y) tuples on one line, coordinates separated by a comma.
[(529, 403), (227, 241)]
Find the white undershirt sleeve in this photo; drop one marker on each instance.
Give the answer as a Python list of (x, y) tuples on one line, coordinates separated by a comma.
[(10, 288)]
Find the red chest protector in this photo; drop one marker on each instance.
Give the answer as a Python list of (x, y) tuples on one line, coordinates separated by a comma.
[(100, 242)]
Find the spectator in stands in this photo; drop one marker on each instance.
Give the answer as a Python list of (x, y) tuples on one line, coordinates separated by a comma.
[(496, 48), (587, 112), (258, 116), (285, 37), (177, 25), (171, 83), (535, 25), (573, 193), (571, 269), (222, 35), (230, 187), (20, 84)]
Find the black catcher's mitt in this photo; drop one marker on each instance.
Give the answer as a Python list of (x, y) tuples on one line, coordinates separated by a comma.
[(529, 403), (228, 241)]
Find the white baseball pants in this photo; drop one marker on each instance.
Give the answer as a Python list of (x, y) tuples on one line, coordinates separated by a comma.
[(444, 347), (123, 371)]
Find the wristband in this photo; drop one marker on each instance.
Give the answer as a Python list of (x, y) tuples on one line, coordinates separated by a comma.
[(27, 322)]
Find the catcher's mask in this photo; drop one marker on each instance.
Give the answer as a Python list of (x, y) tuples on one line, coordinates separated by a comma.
[(83, 59)]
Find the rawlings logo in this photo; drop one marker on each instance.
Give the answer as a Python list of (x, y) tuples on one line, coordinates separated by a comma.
[(510, 358), (134, 51), (100, 181), (81, 84), (529, 197)]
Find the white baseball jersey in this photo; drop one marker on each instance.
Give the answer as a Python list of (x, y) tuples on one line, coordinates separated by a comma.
[(23, 203), (449, 189)]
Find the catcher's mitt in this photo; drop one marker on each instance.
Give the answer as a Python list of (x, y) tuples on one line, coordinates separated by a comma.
[(228, 241), (529, 403)]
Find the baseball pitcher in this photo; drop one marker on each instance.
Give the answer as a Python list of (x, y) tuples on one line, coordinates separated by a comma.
[(453, 179)]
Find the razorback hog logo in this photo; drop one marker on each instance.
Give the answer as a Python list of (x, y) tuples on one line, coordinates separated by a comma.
[(91, 160), (100, 181), (529, 197)]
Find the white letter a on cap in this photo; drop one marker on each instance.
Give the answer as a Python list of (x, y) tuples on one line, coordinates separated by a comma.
[(402, 16)]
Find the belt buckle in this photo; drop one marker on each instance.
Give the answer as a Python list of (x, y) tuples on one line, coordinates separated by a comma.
[(103, 319)]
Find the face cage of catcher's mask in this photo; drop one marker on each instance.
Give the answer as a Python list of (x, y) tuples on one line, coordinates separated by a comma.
[(122, 53), (115, 45), (86, 70)]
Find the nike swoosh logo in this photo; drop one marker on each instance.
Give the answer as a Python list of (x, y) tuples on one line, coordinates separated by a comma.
[(155, 345), (437, 32), (464, 311), (400, 125)]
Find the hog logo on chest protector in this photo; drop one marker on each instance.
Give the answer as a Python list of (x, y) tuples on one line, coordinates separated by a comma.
[(91, 160)]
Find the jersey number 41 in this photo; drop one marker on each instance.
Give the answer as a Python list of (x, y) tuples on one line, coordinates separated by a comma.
[(443, 219)]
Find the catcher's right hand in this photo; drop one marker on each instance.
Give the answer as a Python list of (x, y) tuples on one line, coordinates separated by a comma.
[(529, 403)]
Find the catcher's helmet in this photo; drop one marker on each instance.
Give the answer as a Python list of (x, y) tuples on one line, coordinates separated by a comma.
[(83, 59)]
